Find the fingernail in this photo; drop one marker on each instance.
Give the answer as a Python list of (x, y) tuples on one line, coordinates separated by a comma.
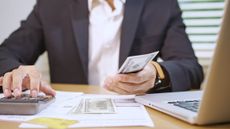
[(34, 93), (54, 93), (16, 92), (6, 93)]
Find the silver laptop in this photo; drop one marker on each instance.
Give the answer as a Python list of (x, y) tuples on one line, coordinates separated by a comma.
[(210, 105)]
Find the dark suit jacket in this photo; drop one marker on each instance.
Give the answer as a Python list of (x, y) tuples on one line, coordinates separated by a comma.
[(60, 27)]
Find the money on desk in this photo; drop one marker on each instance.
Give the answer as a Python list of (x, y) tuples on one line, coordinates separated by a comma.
[(136, 63), (95, 106), (99, 105)]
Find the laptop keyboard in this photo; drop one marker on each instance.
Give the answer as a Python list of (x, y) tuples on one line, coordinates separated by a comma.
[(191, 105)]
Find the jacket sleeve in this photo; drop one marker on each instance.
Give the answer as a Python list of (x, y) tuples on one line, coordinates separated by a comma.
[(23, 46), (180, 62)]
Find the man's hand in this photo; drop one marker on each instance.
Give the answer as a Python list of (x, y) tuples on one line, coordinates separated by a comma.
[(134, 83), (24, 77)]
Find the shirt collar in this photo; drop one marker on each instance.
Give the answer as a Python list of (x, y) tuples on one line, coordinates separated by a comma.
[(90, 3)]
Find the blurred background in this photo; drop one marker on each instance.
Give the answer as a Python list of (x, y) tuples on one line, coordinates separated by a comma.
[(202, 18)]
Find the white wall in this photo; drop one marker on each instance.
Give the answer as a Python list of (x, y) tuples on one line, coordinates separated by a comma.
[(11, 13)]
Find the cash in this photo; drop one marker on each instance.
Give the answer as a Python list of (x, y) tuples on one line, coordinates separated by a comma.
[(95, 106), (136, 63), (100, 105)]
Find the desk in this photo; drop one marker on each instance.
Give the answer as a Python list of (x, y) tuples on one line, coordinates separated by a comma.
[(161, 120)]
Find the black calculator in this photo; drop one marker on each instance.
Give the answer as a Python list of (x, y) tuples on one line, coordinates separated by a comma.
[(24, 105)]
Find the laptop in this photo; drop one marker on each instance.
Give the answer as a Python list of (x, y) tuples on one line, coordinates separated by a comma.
[(211, 104)]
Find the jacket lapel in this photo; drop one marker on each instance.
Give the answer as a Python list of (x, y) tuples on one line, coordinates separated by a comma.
[(133, 9), (80, 23)]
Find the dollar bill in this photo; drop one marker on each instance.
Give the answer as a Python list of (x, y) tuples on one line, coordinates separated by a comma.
[(95, 106), (99, 106), (136, 63)]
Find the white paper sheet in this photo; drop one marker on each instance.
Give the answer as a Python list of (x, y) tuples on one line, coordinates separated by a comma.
[(129, 113)]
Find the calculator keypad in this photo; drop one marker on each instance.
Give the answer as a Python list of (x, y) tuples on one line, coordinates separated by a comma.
[(25, 98)]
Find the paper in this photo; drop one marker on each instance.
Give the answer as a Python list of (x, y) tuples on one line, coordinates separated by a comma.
[(128, 113)]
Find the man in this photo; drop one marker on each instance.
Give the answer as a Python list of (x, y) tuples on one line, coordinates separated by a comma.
[(88, 40)]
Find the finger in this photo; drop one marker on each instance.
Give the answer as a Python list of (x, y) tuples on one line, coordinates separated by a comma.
[(46, 88), (111, 85), (6, 83), (135, 78), (129, 87), (17, 77), (146, 74), (35, 81), (116, 89), (137, 89), (140, 90)]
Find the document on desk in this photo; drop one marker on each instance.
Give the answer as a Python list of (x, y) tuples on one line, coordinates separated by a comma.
[(95, 111)]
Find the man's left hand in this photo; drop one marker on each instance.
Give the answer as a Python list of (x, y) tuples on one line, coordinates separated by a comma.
[(133, 83)]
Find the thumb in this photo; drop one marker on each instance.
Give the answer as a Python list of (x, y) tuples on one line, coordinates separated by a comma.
[(46, 88)]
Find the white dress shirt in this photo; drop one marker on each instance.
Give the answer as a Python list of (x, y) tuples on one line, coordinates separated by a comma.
[(104, 39)]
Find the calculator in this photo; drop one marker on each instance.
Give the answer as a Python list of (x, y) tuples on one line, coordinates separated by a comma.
[(24, 105)]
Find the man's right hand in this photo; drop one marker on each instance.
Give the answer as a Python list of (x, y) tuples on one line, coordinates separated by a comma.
[(24, 77)]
